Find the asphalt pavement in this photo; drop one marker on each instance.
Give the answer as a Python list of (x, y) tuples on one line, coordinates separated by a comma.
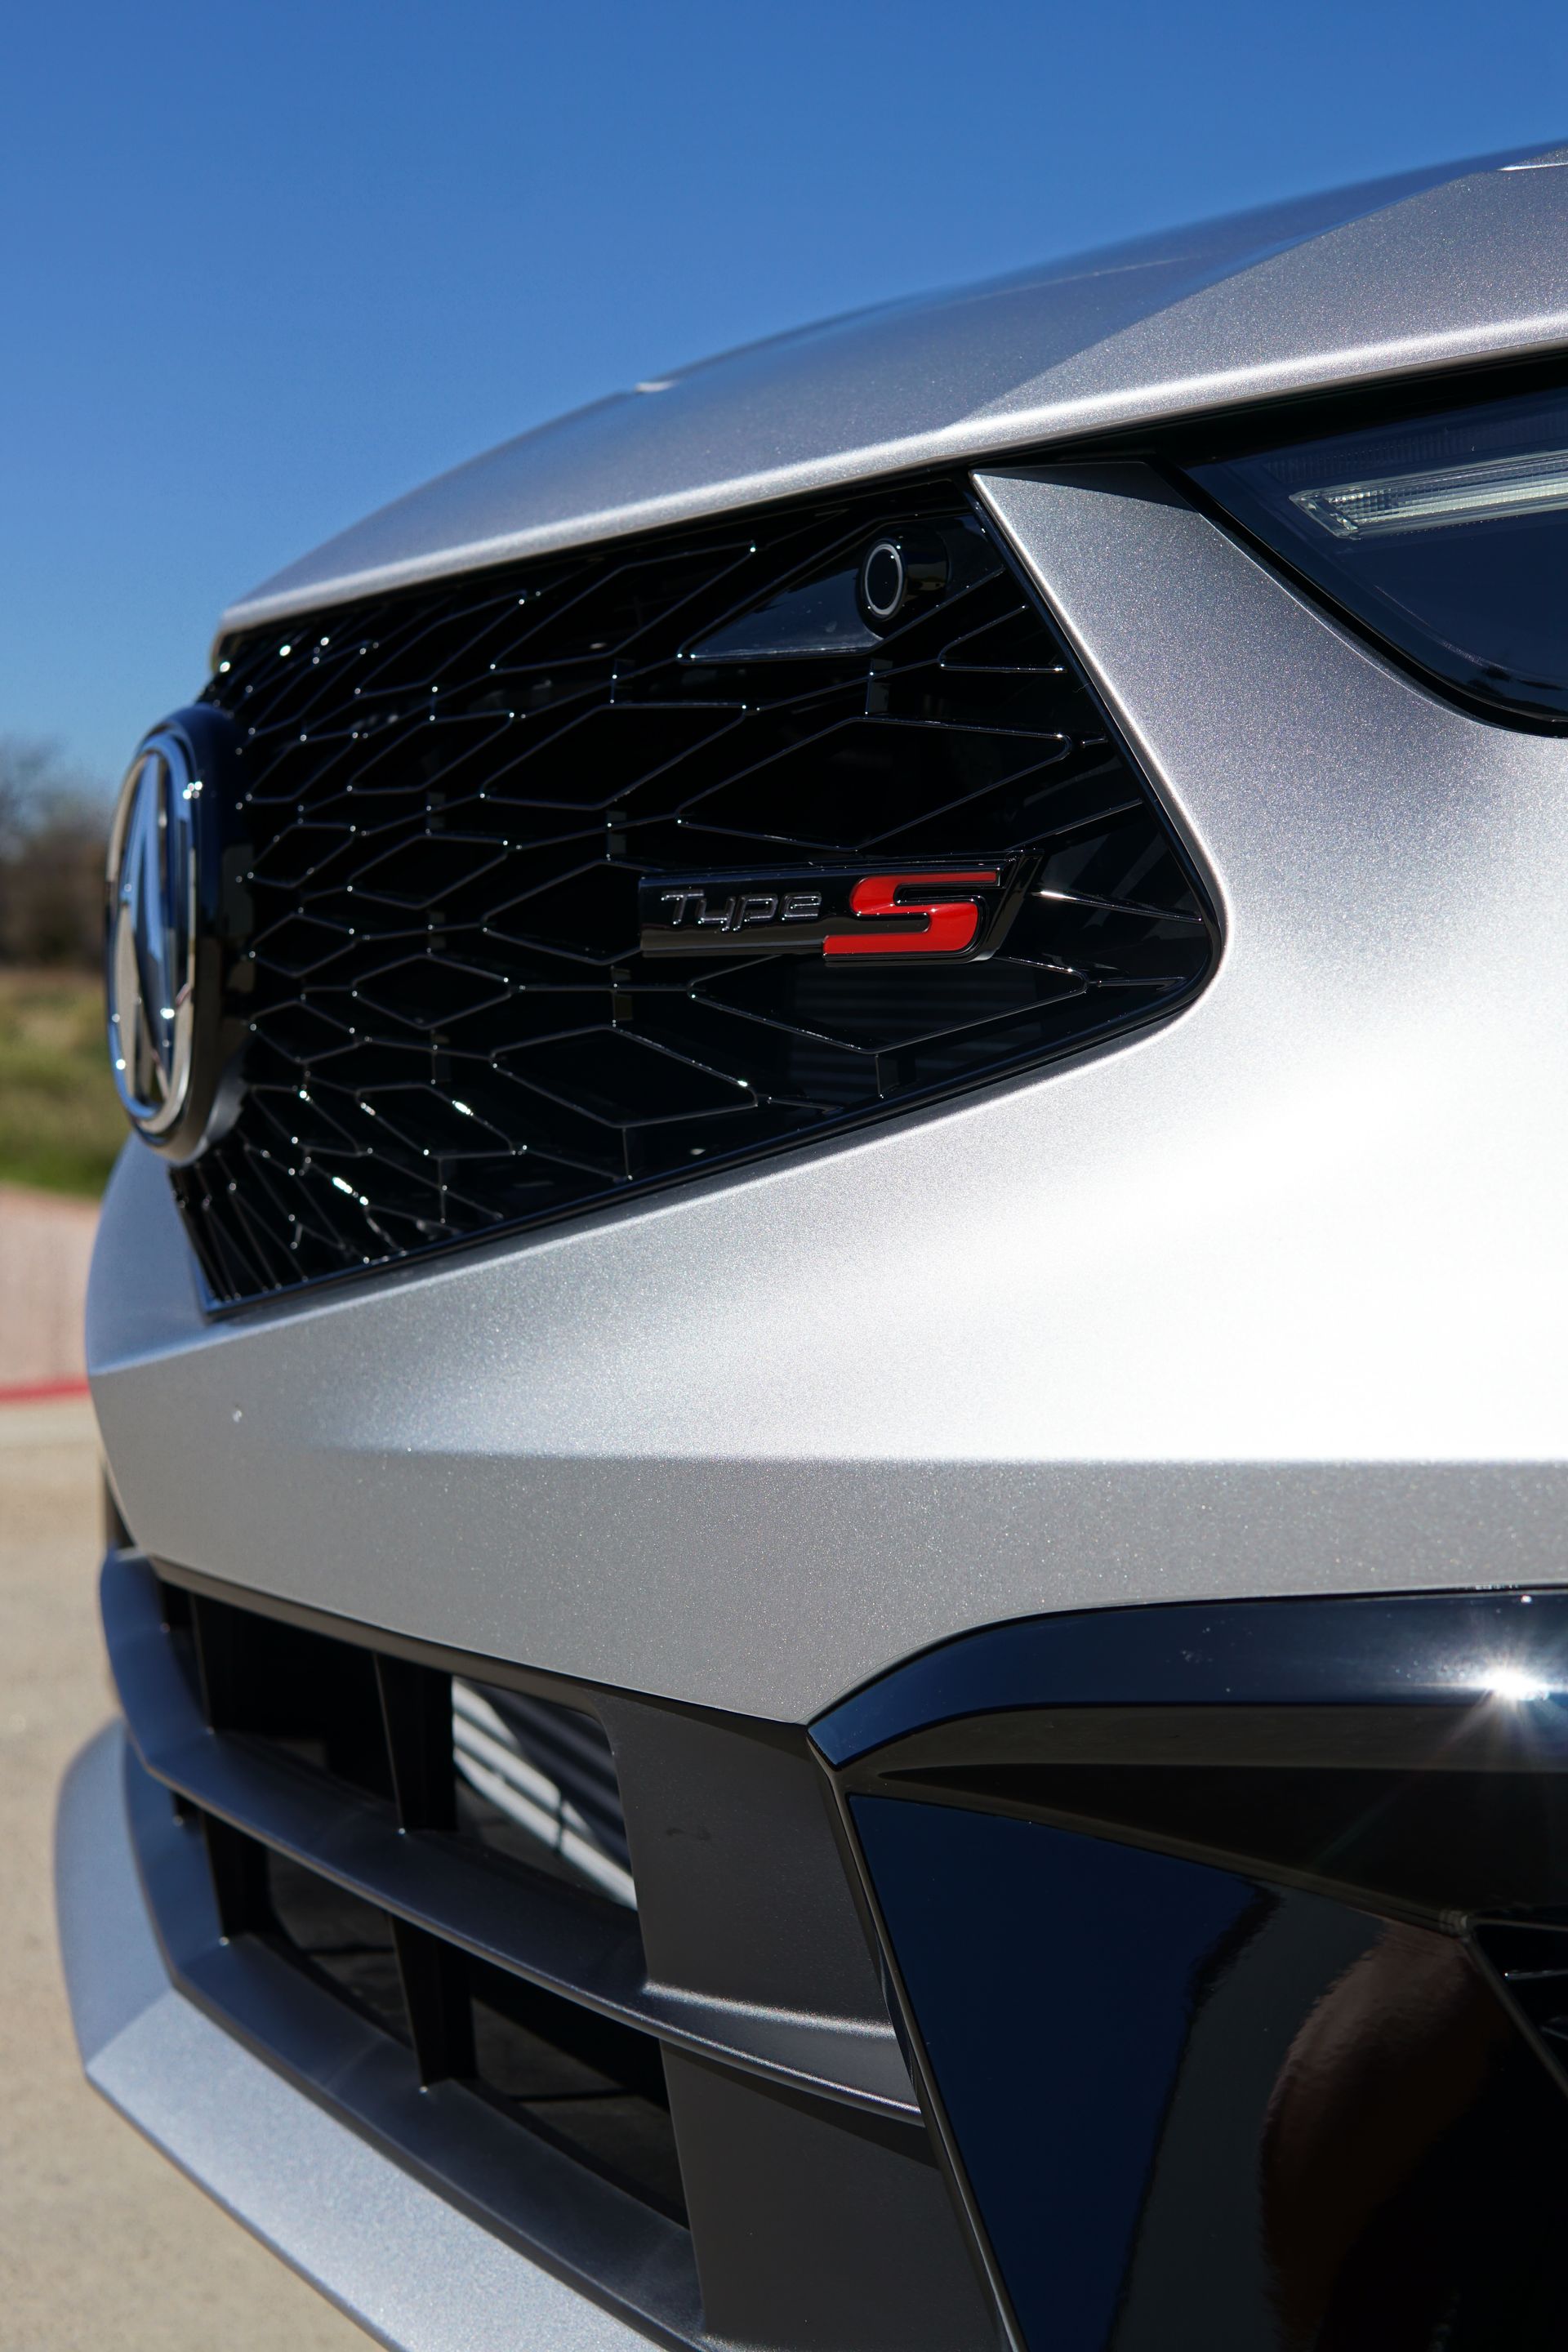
[(105, 2247)]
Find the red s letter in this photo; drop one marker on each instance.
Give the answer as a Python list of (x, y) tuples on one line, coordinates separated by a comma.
[(946, 926)]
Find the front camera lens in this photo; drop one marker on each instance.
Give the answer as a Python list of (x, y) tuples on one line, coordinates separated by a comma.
[(882, 582), (900, 574)]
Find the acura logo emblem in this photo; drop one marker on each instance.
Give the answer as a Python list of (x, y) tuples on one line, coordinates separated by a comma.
[(164, 948), (153, 934)]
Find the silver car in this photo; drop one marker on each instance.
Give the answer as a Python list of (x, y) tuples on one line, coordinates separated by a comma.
[(832, 1356)]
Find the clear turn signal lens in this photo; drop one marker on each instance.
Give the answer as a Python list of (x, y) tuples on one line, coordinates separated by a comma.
[(1444, 536), (1502, 487)]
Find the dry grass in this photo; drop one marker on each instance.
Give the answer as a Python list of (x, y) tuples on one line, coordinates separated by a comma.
[(61, 1121)]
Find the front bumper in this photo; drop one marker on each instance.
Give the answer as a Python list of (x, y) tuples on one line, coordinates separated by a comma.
[(1243, 1929)]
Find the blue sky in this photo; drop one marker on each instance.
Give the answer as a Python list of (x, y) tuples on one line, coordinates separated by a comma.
[(263, 267)]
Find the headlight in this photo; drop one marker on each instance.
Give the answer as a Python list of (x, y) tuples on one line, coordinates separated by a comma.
[(1448, 536)]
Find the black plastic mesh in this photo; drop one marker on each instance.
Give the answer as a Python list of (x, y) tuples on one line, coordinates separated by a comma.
[(449, 795)]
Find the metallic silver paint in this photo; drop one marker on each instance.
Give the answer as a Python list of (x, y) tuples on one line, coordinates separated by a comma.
[(399, 2259), (1459, 263), (1267, 1300)]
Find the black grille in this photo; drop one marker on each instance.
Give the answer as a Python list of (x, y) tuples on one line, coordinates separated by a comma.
[(449, 797)]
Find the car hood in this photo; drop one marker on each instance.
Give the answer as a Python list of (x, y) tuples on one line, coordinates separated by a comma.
[(1393, 275)]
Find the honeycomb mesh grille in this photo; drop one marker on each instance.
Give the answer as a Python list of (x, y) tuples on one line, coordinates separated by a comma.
[(447, 796)]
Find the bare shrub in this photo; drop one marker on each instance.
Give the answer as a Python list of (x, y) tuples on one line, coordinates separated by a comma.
[(54, 823)]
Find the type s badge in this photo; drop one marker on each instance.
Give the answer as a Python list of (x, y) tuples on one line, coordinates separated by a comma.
[(950, 912)]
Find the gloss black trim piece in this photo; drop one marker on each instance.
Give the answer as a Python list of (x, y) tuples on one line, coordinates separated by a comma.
[(1230, 1943), (1057, 2115), (1418, 1650), (1195, 2109)]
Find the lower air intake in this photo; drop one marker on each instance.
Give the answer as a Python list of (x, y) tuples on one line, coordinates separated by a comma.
[(588, 1963)]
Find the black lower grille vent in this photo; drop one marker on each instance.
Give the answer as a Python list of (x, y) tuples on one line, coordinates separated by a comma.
[(443, 803), (588, 1963), (338, 1935), (593, 2086), (537, 1780)]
